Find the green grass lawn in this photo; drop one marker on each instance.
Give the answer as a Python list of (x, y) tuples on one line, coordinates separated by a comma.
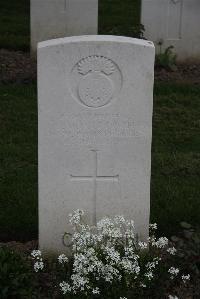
[(175, 184), (14, 24), (115, 17), (18, 160)]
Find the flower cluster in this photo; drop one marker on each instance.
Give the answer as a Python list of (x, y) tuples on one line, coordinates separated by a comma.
[(185, 278), (62, 259), (110, 253), (173, 272), (38, 262), (172, 250)]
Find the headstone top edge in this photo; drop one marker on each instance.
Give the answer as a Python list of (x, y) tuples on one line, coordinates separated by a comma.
[(95, 38)]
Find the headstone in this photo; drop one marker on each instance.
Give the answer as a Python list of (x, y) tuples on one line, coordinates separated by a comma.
[(95, 122), (173, 23), (60, 18)]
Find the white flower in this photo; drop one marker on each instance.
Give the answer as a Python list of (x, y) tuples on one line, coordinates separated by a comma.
[(151, 265), (172, 250), (160, 243), (142, 245), (119, 220), (149, 275), (112, 254), (130, 266), (79, 281), (173, 271), (65, 287), (96, 291), (153, 226), (185, 278), (106, 253), (36, 253), (62, 259), (172, 297), (75, 217), (39, 265)]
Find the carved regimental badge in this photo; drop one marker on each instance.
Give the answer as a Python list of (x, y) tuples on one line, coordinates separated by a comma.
[(96, 80)]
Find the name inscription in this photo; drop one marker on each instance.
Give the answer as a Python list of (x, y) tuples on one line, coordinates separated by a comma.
[(86, 125)]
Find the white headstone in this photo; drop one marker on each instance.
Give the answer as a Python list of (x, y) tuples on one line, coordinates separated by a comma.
[(174, 23), (95, 123), (60, 18)]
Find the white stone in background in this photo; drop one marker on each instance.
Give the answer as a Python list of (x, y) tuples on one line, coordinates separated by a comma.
[(176, 23), (60, 18), (95, 96)]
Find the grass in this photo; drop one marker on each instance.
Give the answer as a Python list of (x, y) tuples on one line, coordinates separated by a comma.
[(18, 160), (115, 17), (14, 24), (175, 184), (119, 17)]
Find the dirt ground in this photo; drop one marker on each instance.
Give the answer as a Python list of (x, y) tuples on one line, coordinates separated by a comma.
[(191, 292), (19, 67), (16, 67)]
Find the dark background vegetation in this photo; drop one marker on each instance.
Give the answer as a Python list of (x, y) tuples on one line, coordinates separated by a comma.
[(114, 16), (175, 185)]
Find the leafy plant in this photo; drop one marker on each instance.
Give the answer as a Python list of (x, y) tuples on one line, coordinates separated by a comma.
[(167, 59), (136, 31), (109, 261), (188, 245), (15, 275)]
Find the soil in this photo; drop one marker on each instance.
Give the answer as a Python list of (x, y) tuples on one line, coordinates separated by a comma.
[(45, 279), (16, 67), (184, 73), (19, 67), (20, 247)]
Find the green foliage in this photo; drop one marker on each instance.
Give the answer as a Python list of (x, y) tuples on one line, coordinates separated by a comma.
[(14, 24), (18, 159), (109, 262), (136, 31), (115, 17), (167, 59), (118, 17), (188, 245), (175, 172), (15, 275)]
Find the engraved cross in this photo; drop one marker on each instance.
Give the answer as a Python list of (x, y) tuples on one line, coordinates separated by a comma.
[(95, 178)]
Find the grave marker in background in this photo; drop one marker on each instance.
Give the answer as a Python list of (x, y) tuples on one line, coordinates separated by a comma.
[(95, 122), (173, 23), (60, 18)]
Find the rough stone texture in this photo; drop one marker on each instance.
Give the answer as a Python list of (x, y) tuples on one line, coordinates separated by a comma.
[(175, 22), (59, 18), (95, 123)]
